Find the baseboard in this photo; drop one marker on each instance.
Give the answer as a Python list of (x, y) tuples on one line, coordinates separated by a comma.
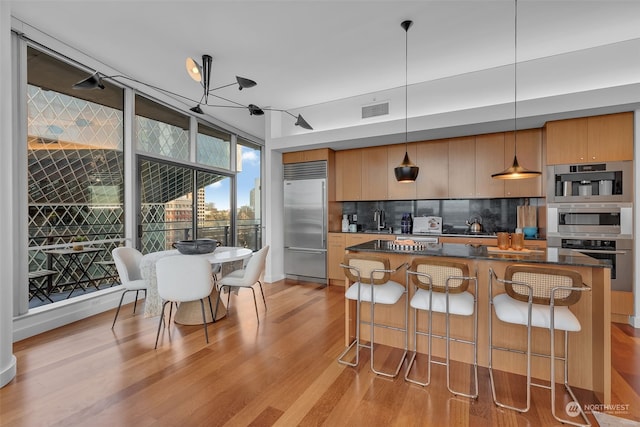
[(51, 316), (634, 321), (8, 373)]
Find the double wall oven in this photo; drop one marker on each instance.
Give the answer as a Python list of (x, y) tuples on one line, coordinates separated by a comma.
[(596, 220)]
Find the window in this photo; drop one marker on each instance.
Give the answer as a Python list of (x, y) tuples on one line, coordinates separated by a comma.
[(248, 197), (75, 178), (161, 130), (213, 147), (214, 207)]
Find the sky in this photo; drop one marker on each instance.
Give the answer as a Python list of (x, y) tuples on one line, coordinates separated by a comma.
[(219, 192)]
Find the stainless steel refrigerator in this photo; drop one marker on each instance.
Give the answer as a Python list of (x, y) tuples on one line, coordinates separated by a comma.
[(305, 219)]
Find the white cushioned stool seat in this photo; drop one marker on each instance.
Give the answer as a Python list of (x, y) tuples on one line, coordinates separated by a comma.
[(462, 304), (514, 311), (388, 293)]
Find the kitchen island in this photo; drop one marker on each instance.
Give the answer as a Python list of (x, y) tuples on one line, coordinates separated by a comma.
[(589, 349)]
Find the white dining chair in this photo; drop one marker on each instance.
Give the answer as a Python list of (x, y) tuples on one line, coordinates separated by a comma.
[(246, 278), (183, 278), (127, 262)]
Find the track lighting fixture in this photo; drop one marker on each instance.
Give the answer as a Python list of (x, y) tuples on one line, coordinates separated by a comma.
[(202, 74)]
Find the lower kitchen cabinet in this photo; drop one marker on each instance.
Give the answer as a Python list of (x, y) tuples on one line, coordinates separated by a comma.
[(336, 244), (335, 255)]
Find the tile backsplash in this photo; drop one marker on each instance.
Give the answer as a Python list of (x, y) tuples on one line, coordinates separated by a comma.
[(497, 214)]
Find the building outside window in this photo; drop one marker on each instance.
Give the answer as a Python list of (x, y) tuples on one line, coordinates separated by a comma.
[(75, 180)]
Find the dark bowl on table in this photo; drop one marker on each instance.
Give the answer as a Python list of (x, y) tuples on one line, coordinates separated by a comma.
[(196, 247)]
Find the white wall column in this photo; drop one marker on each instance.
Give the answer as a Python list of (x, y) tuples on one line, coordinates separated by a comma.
[(8, 253), (634, 320), (273, 207)]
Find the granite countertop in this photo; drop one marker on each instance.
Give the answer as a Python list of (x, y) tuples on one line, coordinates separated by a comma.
[(459, 250)]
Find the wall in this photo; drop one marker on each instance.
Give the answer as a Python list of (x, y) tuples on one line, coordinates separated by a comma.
[(7, 252)]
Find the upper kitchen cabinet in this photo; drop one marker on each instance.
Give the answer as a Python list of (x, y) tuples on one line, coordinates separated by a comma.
[(306, 156), (590, 139), (462, 167), (397, 190), (490, 159), (433, 179), (349, 175), (529, 150), (610, 137), (374, 177)]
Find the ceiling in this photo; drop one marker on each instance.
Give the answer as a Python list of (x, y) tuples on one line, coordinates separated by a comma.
[(308, 52)]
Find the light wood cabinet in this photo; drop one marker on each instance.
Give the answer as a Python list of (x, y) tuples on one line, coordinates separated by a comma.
[(462, 167), (349, 175), (457, 168), (566, 141), (305, 156), (590, 139), (400, 190), (374, 173), (335, 254), (489, 160), (529, 150), (610, 137), (433, 180), (336, 244)]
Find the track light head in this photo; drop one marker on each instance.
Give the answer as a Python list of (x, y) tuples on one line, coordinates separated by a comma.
[(197, 109), (254, 110), (244, 83), (92, 82), (300, 121)]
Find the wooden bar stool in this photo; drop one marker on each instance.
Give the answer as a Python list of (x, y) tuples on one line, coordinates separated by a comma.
[(441, 286), (537, 297), (371, 277)]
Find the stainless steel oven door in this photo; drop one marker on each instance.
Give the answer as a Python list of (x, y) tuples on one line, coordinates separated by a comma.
[(621, 258), (597, 219), (621, 267)]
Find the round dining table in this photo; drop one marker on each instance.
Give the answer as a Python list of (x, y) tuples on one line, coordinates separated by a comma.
[(188, 313)]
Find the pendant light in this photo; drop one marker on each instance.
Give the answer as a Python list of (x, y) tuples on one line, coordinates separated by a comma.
[(407, 171), (515, 171)]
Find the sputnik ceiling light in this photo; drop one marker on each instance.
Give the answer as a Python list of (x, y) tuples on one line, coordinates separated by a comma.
[(407, 171), (202, 74), (515, 171)]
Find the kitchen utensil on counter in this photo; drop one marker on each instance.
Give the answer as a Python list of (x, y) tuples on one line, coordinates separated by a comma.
[(527, 219), (345, 223), (475, 224), (427, 224), (517, 241), (503, 240)]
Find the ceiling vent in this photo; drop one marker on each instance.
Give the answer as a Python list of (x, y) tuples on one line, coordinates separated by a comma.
[(375, 110)]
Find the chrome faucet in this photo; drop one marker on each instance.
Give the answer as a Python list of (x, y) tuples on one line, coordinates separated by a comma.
[(378, 217)]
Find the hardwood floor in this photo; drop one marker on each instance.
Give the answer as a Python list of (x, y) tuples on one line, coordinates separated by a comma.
[(282, 372)]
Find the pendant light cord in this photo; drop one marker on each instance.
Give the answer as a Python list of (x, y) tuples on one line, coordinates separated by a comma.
[(515, 82), (406, 96)]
